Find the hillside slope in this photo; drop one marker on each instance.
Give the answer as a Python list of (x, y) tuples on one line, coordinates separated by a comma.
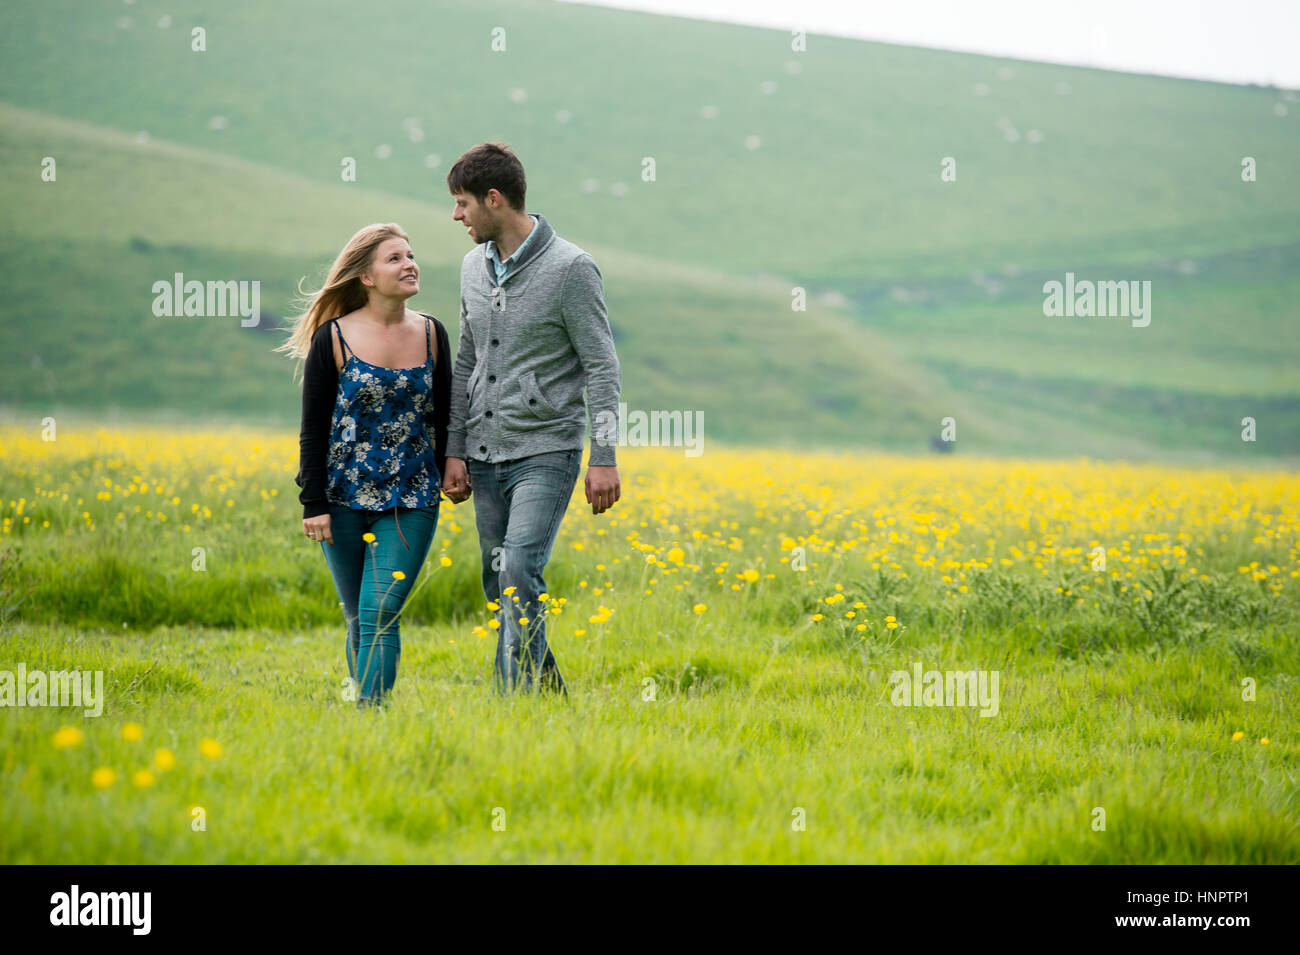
[(773, 169), (124, 214)]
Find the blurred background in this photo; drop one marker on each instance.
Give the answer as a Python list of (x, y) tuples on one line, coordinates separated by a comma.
[(780, 170)]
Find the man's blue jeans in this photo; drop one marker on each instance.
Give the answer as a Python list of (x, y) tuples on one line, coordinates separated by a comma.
[(372, 598), (518, 507)]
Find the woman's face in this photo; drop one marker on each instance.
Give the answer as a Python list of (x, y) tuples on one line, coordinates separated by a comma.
[(393, 272)]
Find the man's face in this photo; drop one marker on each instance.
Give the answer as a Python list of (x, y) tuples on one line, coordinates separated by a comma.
[(480, 221)]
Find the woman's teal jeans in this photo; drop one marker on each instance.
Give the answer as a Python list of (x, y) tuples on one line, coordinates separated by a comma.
[(372, 596)]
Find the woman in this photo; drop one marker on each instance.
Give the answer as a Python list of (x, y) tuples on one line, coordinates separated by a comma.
[(376, 394)]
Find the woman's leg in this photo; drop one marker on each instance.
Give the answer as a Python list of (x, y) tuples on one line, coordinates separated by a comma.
[(346, 559), (383, 595)]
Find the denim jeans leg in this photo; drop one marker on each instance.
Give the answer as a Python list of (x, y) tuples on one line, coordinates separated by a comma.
[(373, 598), (519, 506), (383, 595), (491, 514), (346, 560)]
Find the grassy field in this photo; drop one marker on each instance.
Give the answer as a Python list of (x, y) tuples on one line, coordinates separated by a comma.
[(766, 601)]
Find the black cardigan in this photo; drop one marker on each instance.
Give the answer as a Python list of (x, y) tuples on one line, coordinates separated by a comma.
[(320, 385)]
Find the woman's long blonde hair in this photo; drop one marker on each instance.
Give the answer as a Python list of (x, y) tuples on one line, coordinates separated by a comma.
[(342, 292)]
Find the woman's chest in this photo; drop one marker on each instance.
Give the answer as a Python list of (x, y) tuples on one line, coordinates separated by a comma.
[(384, 391)]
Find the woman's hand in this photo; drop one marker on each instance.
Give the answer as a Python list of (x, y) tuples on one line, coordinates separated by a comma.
[(318, 528)]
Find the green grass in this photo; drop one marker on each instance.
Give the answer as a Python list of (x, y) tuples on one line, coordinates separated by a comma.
[(1120, 691), (747, 726)]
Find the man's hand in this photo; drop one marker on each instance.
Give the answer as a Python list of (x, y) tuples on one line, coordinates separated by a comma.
[(455, 482), (603, 488)]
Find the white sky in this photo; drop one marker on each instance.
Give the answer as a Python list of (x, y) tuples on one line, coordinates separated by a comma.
[(1235, 41)]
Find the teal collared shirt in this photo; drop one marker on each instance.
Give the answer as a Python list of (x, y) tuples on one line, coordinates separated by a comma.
[(503, 268)]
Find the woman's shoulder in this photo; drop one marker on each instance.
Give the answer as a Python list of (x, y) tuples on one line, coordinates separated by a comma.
[(321, 335), (323, 329), (436, 324)]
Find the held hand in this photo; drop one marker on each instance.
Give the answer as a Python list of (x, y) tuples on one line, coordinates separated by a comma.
[(318, 528), (603, 488), (455, 482)]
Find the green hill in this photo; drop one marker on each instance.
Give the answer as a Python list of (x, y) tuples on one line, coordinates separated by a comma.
[(1110, 176), (80, 332)]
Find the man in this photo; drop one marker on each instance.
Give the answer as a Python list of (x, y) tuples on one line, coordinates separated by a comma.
[(533, 333)]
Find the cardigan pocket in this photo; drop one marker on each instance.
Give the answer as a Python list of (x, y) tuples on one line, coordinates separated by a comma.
[(535, 400), (474, 396)]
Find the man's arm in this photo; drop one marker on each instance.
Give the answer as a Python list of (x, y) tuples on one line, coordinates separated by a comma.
[(582, 305), (465, 361), (455, 477), (436, 428)]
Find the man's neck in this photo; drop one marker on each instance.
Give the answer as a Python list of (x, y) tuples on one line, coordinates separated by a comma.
[(513, 232)]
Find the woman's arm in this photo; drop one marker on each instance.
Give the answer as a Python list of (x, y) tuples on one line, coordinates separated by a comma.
[(441, 396), (320, 385)]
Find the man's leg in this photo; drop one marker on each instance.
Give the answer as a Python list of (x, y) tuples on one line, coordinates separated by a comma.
[(537, 491), (490, 513)]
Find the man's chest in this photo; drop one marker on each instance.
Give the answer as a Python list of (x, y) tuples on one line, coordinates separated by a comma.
[(518, 308)]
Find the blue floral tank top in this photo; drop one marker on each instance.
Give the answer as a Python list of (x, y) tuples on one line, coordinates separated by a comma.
[(381, 454)]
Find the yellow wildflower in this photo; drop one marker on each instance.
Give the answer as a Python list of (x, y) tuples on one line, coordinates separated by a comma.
[(68, 736), (103, 777)]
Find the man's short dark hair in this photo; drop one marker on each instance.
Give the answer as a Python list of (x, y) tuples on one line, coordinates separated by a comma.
[(489, 166)]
